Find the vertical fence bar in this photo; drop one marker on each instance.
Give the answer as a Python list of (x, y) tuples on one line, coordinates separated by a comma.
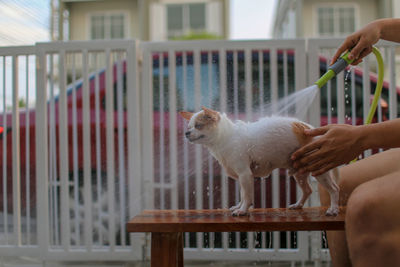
[(64, 159), (99, 151), (248, 83), (173, 145), (5, 193), (146, 107), (236, 115), (121, 146), (275, 173), (41, 153), (162, 131), (27, 155), (87, 175), (210, 189), (186, 171), (110, 148), (54, 230), (222, 104), (75, 154), (198, 149), (340, 98), (134, 140), (353, 98), (249, 115), (16, 152)]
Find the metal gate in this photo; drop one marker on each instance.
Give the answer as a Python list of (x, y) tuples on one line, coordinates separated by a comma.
[(90, 136)]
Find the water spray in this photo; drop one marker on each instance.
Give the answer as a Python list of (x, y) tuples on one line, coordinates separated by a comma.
[(341, 64)]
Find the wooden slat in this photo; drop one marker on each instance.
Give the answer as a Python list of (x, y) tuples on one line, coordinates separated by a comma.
[(221, 220)]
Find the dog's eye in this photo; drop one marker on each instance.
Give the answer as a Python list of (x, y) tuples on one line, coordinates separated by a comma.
[(198, 126)]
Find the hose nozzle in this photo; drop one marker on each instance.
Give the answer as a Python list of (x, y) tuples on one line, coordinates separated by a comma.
[(334, 69)]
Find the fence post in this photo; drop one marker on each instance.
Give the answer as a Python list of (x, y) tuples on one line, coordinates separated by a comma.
[(134, 143), (42, 153)]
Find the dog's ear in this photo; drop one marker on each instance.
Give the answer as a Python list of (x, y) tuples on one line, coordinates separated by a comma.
[(212, 114), (186, 115)]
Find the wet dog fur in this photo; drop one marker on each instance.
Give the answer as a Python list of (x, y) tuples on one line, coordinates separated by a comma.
[(248, 150)]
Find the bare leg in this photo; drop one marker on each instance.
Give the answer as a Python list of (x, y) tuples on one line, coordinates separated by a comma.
[(352, 176), (373, 222)]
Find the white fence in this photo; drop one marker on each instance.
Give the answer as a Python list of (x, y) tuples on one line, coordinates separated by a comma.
[(101, 140)]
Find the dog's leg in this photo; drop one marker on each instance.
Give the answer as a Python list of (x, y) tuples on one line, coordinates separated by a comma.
[(327, 181), (233, 208), (247, 194), (302, 180)]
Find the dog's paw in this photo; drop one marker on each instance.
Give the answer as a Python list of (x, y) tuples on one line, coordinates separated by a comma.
[(233, 208), (240, 212), (332, 211), (295, 206)]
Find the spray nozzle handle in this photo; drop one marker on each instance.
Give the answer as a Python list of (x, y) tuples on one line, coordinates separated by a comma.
[(341, 63)]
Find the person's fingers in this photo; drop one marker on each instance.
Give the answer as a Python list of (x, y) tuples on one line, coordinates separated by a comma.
[(365, 52), (356, 50), (356, 62), (313, 160), (324, 169), (306, 149), (339, 52), (346, 45), (317, 131), (317, 164)]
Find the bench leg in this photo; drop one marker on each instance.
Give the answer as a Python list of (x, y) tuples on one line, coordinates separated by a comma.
[(166, 249)]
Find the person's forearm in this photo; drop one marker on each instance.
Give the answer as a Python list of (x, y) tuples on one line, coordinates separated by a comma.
[(380, 135), (389, 29)]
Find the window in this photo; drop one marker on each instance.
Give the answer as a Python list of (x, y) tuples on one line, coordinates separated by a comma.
[(336, 20), (186, 18), (107, 26)]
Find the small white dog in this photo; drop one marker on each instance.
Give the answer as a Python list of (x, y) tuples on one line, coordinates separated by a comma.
[(248, 150)]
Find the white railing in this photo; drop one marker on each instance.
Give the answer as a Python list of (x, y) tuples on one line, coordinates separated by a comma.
[(230, 77), (109, 143)]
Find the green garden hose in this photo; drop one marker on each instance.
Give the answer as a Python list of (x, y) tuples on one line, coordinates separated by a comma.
[(341, 64)]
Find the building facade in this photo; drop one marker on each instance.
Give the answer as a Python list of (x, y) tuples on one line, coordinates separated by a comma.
[(327, 18), (149, 20)]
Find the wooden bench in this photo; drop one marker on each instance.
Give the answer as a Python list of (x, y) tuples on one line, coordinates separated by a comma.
[(167, 226)]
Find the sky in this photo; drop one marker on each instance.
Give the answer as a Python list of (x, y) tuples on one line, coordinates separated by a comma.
[(252, 19), (24, 22)]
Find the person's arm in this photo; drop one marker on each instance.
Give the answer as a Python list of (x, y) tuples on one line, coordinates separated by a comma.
[(338, 144), (361, 41)]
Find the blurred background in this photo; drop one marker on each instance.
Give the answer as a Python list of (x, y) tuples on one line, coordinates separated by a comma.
[(78, 57)]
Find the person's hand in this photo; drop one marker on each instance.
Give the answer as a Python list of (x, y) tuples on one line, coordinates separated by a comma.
[(360, 43), (338, 144)]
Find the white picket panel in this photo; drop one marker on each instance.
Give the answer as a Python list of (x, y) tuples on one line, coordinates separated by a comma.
[(108, 141)]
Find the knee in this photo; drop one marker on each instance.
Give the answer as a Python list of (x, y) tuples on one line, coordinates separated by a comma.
[(361, 211)]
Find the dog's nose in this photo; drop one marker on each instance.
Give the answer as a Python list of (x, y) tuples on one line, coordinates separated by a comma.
[(187, 134)]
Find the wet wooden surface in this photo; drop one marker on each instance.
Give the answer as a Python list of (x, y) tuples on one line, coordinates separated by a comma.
[(220, 220)]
